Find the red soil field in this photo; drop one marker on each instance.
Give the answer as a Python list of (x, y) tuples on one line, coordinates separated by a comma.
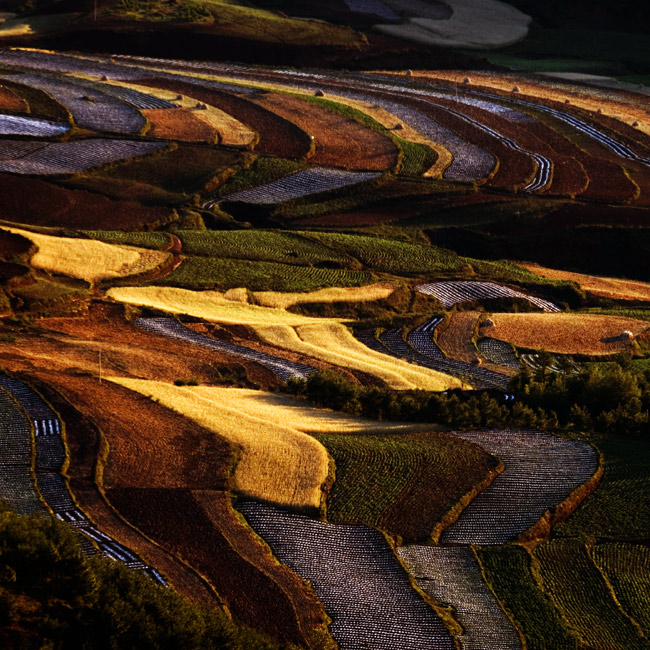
[(9, 101), (579, 215), (201, 528), (84, 443), (568, 174), (40, 203), (339, 141), (277, 136), (179, 124)]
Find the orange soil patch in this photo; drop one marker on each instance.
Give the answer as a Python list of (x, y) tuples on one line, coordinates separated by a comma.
[(179, 124), (339, 141), (589, 334), (607, 287), (9, 101), (84, 441)]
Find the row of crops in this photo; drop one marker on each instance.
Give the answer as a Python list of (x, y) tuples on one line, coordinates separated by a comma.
[(23, 409)]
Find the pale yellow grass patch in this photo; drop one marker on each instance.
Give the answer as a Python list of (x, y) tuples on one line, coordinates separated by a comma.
[(278, 463), (89, 259), (280, 300), (609, 102), (231, 131), (334, 343), (209, 305), (593, 334), (601, 286)]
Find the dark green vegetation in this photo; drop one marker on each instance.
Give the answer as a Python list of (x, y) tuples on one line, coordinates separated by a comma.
[(507, 570), (52, 596), (403, 484)]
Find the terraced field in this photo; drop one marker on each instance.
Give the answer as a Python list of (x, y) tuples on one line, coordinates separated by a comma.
[(152, 409)]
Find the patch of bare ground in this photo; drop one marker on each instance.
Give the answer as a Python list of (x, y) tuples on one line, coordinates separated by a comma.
[(615, 288), (85, 442), (9, 101), (339, 141), (455, 340), (74, 344), (179, 124), (563, 333)]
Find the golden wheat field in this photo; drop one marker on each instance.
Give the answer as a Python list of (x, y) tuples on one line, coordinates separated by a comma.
[(277, 463), (592, 334), (89, 259), (210, 305), (282, 300), (333, 342)]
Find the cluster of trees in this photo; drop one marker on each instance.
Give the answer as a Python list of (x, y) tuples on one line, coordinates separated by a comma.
[(52, 596), (607, 401)]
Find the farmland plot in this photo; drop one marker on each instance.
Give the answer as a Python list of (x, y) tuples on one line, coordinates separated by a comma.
[(32, 126), (278, 463), (88, 259), (403, 484), (451, 574), (90, 108), (50, 457), (300, 184), (355, 574), (498, 352), (577, 588), (541, 471), (454, 292), (71, 157), (282, 368), (16, 484), (626, 567)]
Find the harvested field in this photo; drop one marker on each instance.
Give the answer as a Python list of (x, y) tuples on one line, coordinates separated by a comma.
[(199, 527), (369, 293), (455, 340), (615, 288), (277, 136), (278, 463), (339, 141), (88, 259), (179, 124), (354, 573), (39, 203), (541, 471), (589, 334), (209, 305), (403, 484), (333, 342), (452, 575)]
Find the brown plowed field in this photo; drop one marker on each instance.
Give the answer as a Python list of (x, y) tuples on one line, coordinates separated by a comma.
[(36, 202), (339, 141), (83, 440), (581, 215), (615, 288), (13, 245), (277, 136), (588, 334), (9, 101), (608, 183), (179, 124), (201, 528), (569, 176)]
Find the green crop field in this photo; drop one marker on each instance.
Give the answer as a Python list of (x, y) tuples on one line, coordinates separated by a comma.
[(216, 273), (507, 570), (154, 240), (384, 480), (579, 591)]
